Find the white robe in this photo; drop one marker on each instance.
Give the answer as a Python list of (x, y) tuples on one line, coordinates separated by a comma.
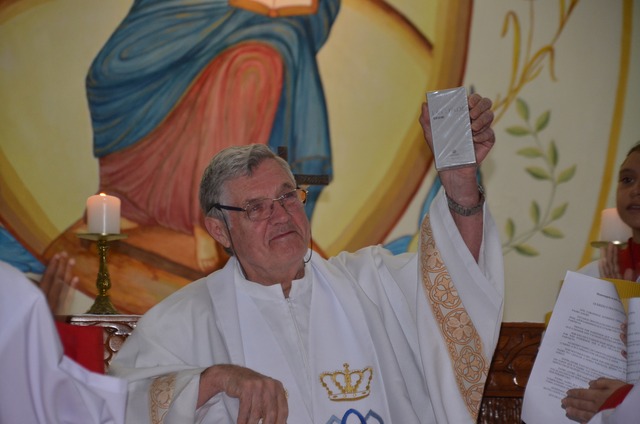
[(398, 315), (38, 384)]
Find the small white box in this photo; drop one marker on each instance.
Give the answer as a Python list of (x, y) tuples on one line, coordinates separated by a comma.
[(451, 128)]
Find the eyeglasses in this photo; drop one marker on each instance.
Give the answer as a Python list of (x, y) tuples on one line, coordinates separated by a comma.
[(261, 209)]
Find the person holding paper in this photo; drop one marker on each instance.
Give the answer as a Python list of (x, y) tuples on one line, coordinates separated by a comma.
[(623, 262), (622, 407), (600, 398), (281, 334), (39, 384)]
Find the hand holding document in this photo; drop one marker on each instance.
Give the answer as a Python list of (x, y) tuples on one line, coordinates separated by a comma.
[(583, 341)]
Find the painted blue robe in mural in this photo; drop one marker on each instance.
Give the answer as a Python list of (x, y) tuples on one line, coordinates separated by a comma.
[(163, 46)]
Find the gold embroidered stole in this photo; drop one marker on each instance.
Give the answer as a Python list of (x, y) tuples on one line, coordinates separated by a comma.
[(160, 396), (470, 365)]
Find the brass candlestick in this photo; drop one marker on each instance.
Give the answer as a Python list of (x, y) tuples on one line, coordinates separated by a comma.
[(599, 244), (102, 305)]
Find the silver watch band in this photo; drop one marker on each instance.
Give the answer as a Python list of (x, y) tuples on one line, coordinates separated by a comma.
[(464, 211)]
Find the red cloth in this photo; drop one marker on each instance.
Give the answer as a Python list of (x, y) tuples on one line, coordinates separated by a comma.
[(616, 397), (83, 344), (629, 257)]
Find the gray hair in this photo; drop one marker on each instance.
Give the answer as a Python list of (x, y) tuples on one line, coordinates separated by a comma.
[(231, 163)]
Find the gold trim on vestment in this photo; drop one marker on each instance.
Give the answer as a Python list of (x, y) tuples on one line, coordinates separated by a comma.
[(160, 397), (469, 363)]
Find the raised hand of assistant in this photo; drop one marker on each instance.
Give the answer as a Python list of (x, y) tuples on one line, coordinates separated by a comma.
[(57, 279), (262, 399)]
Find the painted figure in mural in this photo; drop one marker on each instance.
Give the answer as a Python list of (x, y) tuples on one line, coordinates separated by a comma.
[(180, 80), (270, 337), (623, 262)]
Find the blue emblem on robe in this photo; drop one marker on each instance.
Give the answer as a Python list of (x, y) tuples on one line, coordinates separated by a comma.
[(352, 416)]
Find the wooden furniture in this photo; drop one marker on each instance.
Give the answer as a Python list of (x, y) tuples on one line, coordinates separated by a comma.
[(508, 375), (115, 330), (510, 368)]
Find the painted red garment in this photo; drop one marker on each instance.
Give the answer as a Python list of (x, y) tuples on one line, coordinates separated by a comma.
[(233, 102)]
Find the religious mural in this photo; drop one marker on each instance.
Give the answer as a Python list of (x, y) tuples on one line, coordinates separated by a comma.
[(137, 106), (177, 81)]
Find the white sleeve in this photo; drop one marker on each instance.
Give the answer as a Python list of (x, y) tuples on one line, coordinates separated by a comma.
[(39, 384)]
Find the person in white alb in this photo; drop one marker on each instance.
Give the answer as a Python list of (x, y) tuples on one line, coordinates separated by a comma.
[(281, 334), (38, 384)]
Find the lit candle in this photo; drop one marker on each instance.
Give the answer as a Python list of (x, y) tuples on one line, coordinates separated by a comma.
[(103, 214), (612, 228)]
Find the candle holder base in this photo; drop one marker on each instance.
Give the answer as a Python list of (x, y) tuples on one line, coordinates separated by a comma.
[(599, 244), (102, 304)]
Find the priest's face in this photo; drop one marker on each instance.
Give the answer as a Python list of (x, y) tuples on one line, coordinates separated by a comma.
[(628, 193), (272, 249)]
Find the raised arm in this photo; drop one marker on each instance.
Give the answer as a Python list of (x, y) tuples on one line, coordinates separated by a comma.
[(460, 184)]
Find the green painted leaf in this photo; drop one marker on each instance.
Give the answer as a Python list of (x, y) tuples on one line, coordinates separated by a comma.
[(552, 232), (526, 250), (522, 108), (567, 174), (538, 173), (553, 154), (559, 211), (510, 228), (543, 121), (518, 131), (534, 212), (530, 152)]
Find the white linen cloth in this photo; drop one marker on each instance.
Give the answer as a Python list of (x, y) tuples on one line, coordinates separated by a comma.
[(38, 384), (399, 315)]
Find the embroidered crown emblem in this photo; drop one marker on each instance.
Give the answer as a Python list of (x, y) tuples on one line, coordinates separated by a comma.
[(347, 385)]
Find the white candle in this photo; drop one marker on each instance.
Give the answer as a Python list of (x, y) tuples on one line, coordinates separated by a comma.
[(612, 228), (103, 214)]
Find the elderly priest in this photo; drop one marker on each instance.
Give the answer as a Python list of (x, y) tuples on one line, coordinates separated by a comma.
[(281, 334)]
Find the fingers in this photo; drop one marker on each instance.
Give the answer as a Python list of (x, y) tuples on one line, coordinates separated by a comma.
[(579, 405), (481, 117), (57, 279), (480, 112), (609, 385), (262, 399), (582, 404), (608, 263)]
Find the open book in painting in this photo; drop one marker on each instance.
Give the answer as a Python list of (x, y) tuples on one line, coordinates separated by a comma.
[(584, 340), (275, 8)]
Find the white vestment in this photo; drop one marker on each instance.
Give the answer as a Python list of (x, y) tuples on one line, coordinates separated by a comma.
[(420, 344), (38, 384)]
